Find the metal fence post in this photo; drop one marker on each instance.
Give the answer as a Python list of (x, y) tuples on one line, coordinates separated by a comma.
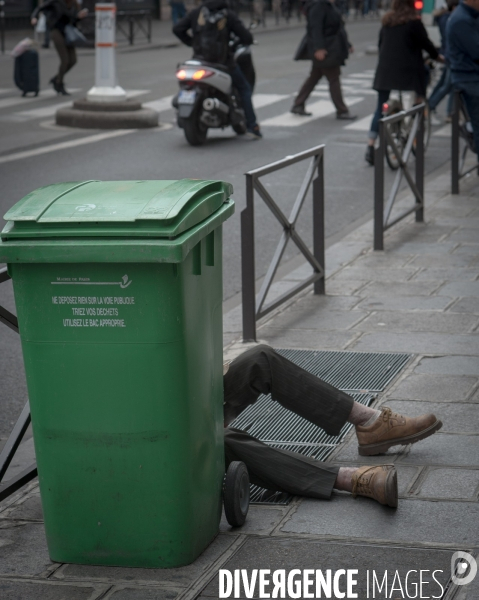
[(455, 146), (420, 167), (131, 31), (318, 224), (247, 264), (379, 189)]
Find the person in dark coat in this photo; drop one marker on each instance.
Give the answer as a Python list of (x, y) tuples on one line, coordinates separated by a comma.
[(328, 47), (462, 35), (402, 39), (59, 14), (231, 24)]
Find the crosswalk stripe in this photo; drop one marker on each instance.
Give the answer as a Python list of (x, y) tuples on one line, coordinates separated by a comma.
[(44, 94), (363, 124), (361, 75), (322, 108), (261, 100), (6, 90), (41, 113), (159, 105), (136, 93)]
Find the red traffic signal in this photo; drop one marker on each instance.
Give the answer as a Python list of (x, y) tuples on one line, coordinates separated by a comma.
[(418, 4)]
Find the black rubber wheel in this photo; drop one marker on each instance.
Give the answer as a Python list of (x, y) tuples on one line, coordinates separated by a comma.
[(236, 493), (391, 157), (195, 132)]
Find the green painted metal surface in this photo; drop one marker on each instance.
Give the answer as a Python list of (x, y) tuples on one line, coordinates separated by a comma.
[(124, 372)]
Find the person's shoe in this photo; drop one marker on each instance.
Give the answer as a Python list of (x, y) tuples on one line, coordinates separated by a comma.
[(63, 91), (379, 483), (434, 120), (346, 116), (255, 133), (392, 429), (45, 45), (298, 109), (56, 85), (369, 156), (448, 119)]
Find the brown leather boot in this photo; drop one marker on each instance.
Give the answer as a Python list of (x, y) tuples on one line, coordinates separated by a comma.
[(379, 483), (392, 429)]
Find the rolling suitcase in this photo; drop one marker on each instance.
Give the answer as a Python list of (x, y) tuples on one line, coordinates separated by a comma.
[(27, 72)]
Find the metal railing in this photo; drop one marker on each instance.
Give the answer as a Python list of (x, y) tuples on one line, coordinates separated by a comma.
[(15, 483), (254, 309), (459, 130), (135, 20), (415, 140)]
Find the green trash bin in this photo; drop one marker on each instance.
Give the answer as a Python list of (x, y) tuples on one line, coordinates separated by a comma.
[(118, 289)]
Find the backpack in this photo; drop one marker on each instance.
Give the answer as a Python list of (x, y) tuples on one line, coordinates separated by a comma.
[(213, 35)]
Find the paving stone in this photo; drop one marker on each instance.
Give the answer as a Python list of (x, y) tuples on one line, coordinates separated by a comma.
[(406, 475), (418, 321), (419, 343), (343, 288), (413, 521), (475, 398), (384, 258), (304, 338), (142, 593), (444, 449), (460, 288), (404, 303), (443, 274), (261, 520), (437, 388), (233, 320), (324, 320), (182, 576), (348, 453), (23, 549), (318, 302), (408, 288), (375, 273), (450, 483), (470, 251), (30, 510), (460, 417), (425, 249), (466, 305), (465, 234), (442, 261), (449, 365), (20, 590), (288, 554), (459, 212), (419, 233)]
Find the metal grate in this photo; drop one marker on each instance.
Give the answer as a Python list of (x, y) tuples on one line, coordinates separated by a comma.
[(362, 375)]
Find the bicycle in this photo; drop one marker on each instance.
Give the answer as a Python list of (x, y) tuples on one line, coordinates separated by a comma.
[(401, 130)]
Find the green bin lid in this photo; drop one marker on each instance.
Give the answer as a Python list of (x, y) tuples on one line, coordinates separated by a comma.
[(132, 209)]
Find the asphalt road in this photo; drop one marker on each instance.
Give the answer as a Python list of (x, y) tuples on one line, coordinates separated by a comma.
[(30, 156)]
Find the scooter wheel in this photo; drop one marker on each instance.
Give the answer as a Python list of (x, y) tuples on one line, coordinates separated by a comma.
[(195, 132), (236, 493)]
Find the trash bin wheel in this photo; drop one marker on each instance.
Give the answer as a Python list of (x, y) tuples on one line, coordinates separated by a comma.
[(236, 493)]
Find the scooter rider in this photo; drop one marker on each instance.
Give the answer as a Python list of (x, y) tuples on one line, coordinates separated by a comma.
[(224, 22)]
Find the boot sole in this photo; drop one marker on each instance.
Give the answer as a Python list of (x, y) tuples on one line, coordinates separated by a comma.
[(382, 447), (392, 489)]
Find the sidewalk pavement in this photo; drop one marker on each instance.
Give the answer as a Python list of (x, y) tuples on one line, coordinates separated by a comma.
[(420, 296)]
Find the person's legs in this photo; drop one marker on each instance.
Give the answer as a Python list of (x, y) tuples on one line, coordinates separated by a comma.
[(443, 87), (244, 90), (333, 76), (59, 42), (383, 96), (472, 105), (72, 58), (293, 473), (309, 85), (261, 370)]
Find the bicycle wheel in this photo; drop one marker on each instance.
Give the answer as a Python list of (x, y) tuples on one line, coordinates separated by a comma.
[(399, 138)]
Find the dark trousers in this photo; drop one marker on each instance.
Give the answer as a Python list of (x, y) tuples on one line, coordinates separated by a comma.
[(443, 87), (332, 75), (261, 370), (244, 90), (470, 94), (383, 96), (67, 54)]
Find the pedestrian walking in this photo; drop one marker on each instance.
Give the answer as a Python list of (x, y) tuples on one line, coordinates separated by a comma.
[(326, 44), (60, 14), (444, 85), (462, 35), (178, 10), (402, 39)]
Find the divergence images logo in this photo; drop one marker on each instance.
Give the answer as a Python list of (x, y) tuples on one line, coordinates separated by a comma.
[(463, 568)]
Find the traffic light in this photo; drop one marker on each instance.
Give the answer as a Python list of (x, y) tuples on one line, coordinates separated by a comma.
[(419, 5)]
